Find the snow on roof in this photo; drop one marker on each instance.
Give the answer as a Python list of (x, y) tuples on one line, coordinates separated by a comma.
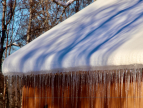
[(105, 33)]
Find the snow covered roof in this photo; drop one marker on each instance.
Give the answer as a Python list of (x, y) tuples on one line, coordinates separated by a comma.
[(105, 33)]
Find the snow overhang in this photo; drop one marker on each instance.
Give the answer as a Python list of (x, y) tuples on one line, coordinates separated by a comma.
[(107, 33)]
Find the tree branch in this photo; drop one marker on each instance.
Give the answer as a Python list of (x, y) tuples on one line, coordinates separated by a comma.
[(13, 44), (12, 13), (61, 15), (65, 5)]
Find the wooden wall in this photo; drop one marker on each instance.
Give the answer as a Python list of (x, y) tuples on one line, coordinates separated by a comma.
[(96, 89)]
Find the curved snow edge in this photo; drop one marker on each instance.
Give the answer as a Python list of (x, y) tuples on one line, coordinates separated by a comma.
[(77, 69)]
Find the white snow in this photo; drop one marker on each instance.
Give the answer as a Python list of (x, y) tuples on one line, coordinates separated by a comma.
[(105, 33)]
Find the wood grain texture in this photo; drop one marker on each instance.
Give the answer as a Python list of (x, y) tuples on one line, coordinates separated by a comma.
[(84, 90)]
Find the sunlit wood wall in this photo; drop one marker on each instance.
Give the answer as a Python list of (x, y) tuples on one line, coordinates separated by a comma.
[(90, 89)]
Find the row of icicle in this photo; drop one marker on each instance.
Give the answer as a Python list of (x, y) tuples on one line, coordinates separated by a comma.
[(89, 89)]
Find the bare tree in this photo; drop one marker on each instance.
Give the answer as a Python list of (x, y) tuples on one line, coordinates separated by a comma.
[(7, 14)]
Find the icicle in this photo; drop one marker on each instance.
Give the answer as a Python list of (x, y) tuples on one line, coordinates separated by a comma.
[(4, 92), (138, 85), (27, 90), (73, 88), (97, 86), (20, 91), (15, 91), (128, 83), (76, 88), (116, 83), (82, 84), (87, 88), (48, 88), (9, 88), (41, 90), (52, 84), (141, 79), (122, 75), (126, 87), (63, 85), (90, 88), (34, 87), (92, 92), (59, 89), (119, 81), (108, 87), (45, 90), (105, 85), (131, 80), (96, 80), (100, 87), (67, 87), (134, 87)]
